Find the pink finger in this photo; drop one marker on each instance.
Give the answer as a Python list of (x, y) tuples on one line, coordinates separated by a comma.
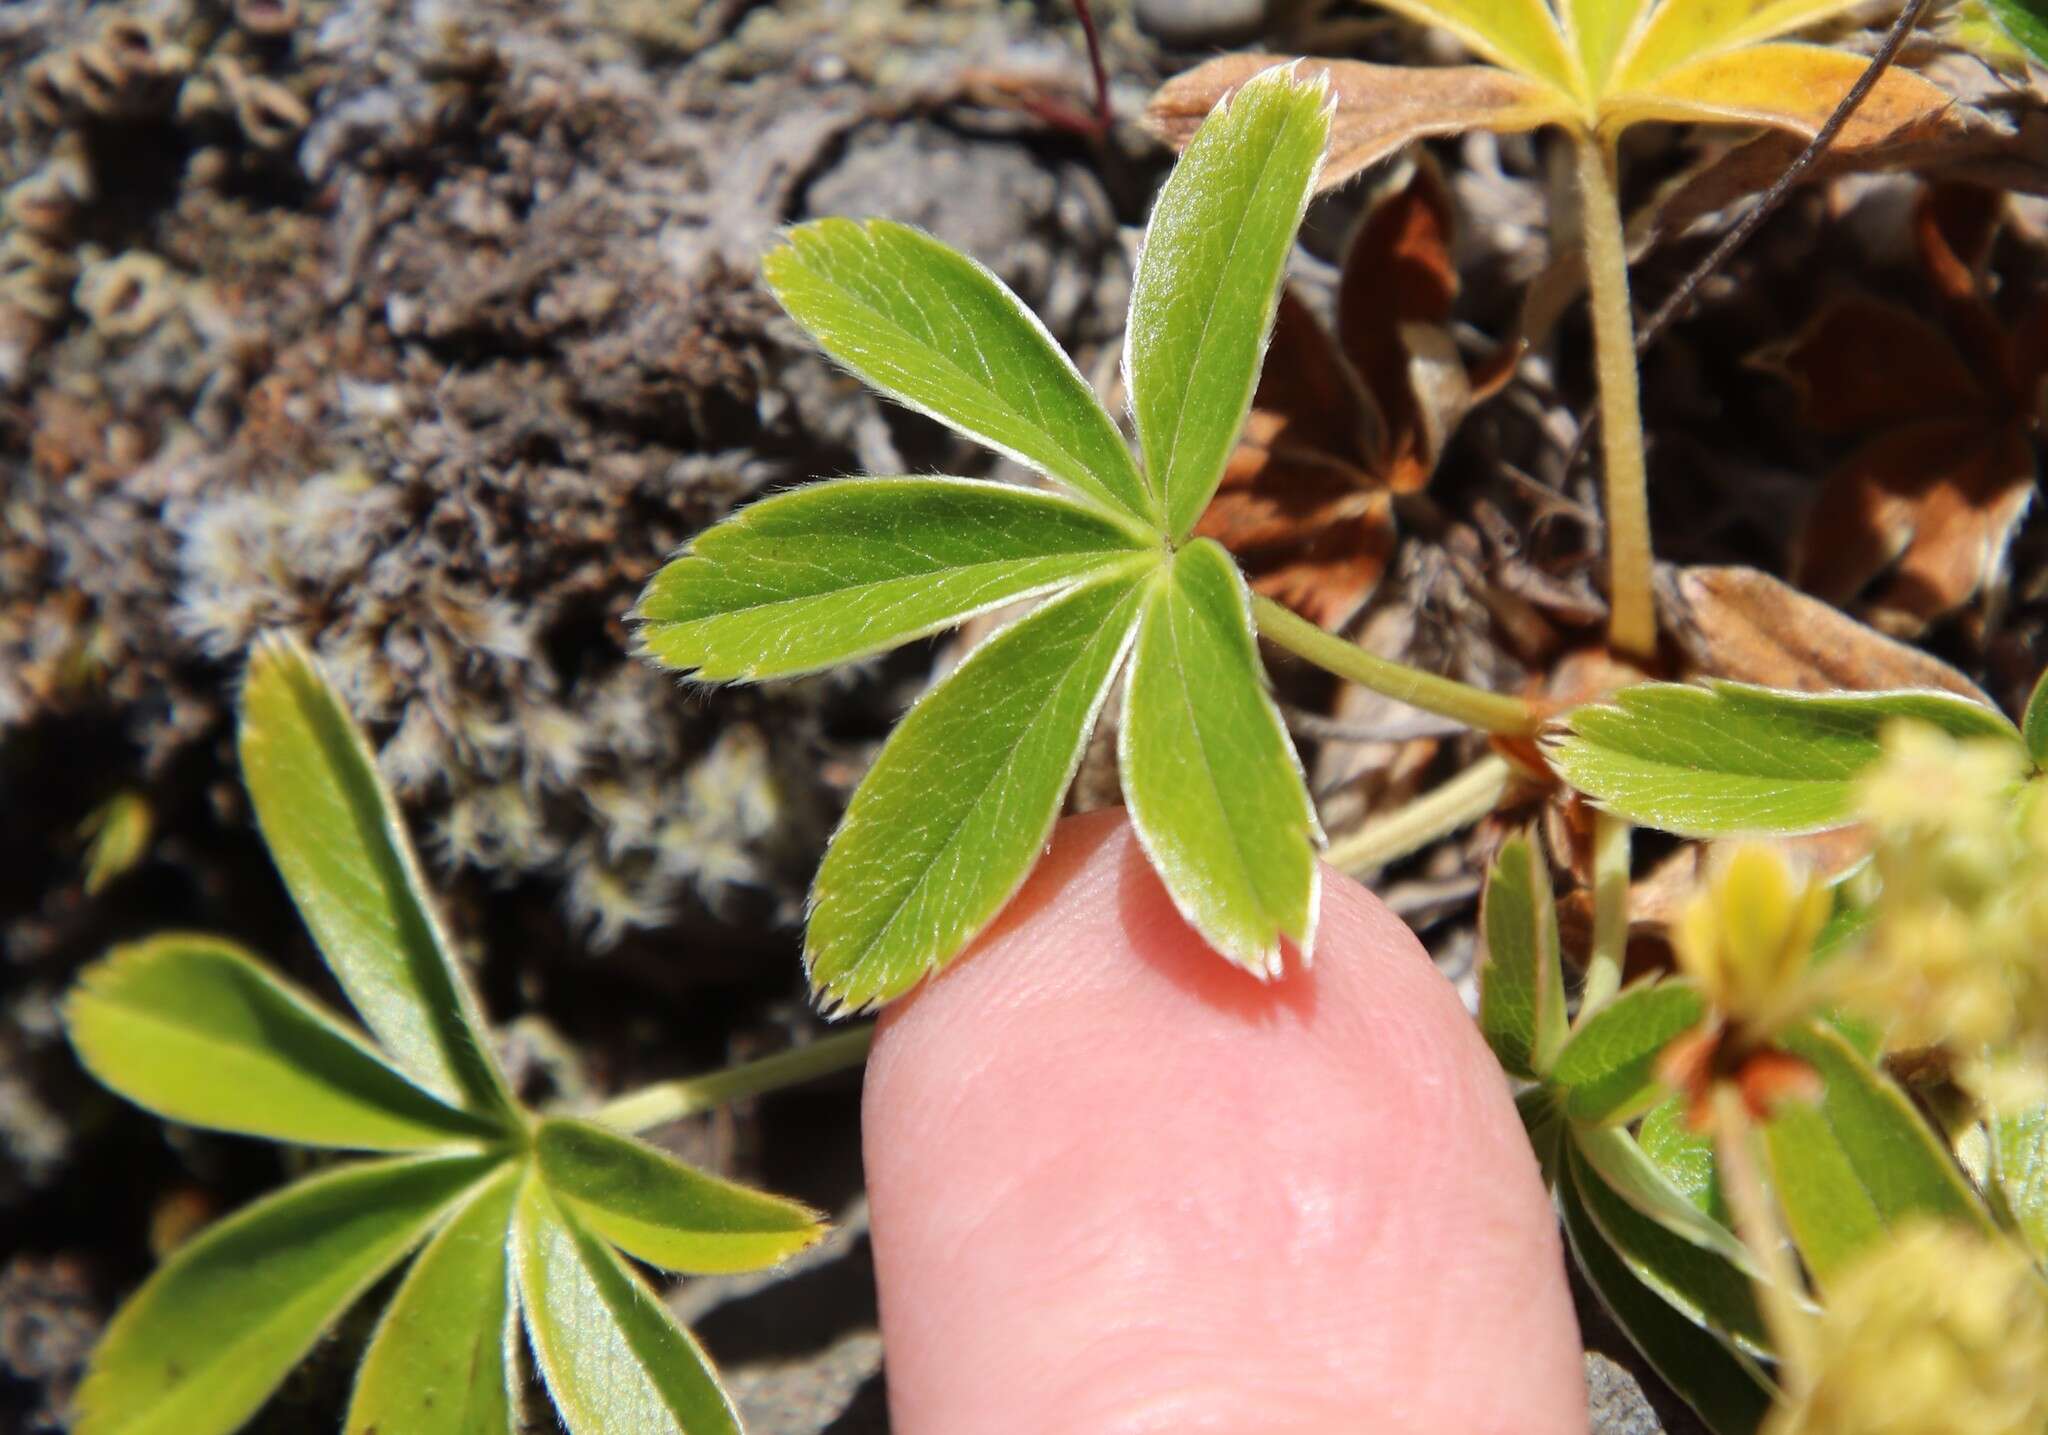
[(1120, 1187)]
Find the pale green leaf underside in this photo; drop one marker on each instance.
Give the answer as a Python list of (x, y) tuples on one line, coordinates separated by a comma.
[(1211, 778), (929, 326), (209, 1336), (1727, 758), (1208, 278), (1860, 1162), (1685, 1156), (1703, 1372), (1521, 984), (657, 1209), (844, 570), (196, 1030), (2020, 1150), (958, 805), (444, 1358), (1698, 1283), (1631, 1175), (614, 1359), (1607, 1071), (342, 849)]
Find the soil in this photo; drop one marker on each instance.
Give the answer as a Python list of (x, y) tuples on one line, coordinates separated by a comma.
[(429, 330)]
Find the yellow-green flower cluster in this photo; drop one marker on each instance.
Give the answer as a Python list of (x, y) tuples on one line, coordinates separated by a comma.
[(1746, 935), (1939, 1330), (1958, 957)]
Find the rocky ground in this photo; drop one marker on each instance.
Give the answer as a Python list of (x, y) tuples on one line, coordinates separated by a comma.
[(427, 330)]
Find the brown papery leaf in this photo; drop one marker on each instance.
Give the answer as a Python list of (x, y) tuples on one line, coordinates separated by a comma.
[(1380, 108), (1929, 508), (1863, 363), (1740, 623)]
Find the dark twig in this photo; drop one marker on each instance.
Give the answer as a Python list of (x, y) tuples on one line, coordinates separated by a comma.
[(1104, 119), (1675, 304), (1680, 299)]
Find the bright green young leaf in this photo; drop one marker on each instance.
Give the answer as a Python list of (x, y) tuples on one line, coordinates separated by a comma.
[(2019, 1150), (2025, 23), (1620, 1163), (929, 326), (1859, 1162), (1699, 1284), (1212, 781), (342, 849), (614, 1359), (195, 1030), (1684, 1156), (1607, 1071), (1703, 1371), (2034, 722), (444, 1360), (951, 817), (211, 1334), (1728, 758), (1208, 281), (838, 571), (1521, 983), (655, 1208)]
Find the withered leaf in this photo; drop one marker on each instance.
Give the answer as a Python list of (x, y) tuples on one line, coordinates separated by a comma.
[(1380, 108), (1742, 623), (1914, 521)]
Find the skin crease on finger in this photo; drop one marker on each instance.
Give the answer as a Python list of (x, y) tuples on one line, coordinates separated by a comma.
[(1119, 1187)]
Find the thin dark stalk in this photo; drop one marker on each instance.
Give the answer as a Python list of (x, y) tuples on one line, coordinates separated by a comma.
[(1104, 119), (1676, 303)]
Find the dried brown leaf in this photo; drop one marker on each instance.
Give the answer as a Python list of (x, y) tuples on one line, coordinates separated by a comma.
[(1736, 622), (1380, 108)]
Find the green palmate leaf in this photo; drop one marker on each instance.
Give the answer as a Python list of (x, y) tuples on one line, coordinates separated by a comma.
[(1684, 1156), (665, 1213), (1698, 1283), (1521, 984), (2034, 723), (1607, 1071), (1546, 1128), (194, 1029), (1213, 784), (1859, 1162), (957, 806), (444, 1360), (2019, 1163), (342, 850), (1728, 758), (1631, 1175), (211, 1334), (1207, 285), (614, 1359), (2026, 23), (929, 326), (844, 570), (1705, 1373)]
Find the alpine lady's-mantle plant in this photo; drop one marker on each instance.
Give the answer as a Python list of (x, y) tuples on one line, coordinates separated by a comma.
[(518, 1218), (959, 803)]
